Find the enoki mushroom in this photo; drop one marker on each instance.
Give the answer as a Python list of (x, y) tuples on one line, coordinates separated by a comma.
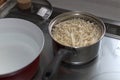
[(76, 32)]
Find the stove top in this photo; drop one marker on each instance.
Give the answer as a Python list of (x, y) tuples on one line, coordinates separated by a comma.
[(106, 66)]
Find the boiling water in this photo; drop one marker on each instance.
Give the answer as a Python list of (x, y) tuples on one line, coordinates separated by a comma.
[(16, 51)]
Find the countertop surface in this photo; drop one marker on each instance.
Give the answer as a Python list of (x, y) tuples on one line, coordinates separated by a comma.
[(109, 9)]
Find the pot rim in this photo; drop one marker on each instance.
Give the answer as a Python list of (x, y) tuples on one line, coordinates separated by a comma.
[(71, 13)]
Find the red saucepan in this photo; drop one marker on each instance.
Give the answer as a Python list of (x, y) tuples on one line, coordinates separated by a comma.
[(21, 43)]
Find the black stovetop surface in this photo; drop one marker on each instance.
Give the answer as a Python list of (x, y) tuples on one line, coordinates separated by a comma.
[(105, 67)]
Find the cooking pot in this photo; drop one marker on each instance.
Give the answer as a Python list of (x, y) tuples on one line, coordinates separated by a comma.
[(73, 55), (21, 44)]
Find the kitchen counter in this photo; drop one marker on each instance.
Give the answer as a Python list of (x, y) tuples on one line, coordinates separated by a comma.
[(109, 9)]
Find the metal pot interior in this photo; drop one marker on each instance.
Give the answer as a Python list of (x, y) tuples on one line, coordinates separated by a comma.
[(76, 14)]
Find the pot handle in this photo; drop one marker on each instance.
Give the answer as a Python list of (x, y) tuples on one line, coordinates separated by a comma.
[(51, 69)]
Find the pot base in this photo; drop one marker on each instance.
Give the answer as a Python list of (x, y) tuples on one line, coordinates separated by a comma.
[(26, 73), (73, 63)]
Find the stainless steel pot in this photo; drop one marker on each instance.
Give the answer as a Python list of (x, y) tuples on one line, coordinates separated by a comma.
[(72, 55)]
